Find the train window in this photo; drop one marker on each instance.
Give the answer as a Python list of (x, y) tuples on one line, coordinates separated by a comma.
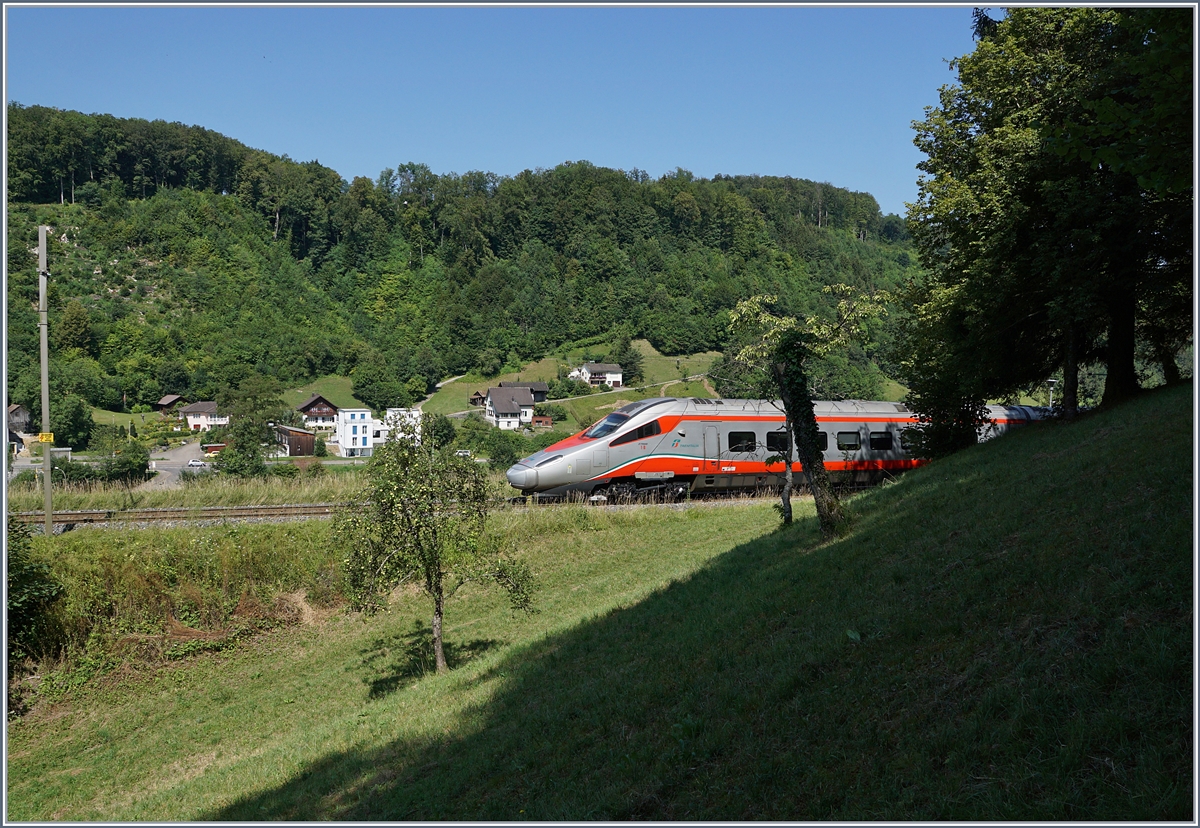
[(777, 441), (824, 441), (742, 441), (607, 426), (848, 441), (881, 441), (639, 433)]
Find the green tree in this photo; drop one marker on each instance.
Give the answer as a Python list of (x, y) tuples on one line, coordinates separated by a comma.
[(422, 518), (71, 421), (630, 359), (1045, 252), (253, 407), (772, 359), (74, 329)]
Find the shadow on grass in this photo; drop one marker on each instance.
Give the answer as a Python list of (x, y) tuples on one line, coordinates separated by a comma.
[(399, 660), (964, 655)]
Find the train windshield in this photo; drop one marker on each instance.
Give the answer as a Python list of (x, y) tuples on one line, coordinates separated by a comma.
[(607, 426)]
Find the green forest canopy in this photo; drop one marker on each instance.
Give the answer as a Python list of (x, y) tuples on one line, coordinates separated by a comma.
[(184, 261)]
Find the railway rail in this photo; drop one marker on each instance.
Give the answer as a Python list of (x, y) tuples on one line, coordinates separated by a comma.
[(218, 514), (182, 514)]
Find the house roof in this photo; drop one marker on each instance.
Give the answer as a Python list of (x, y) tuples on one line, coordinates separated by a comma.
[(15, 407), (294, 430), (169, 399), (510, 400), (602, 368), (202, 407), (532, 386), (313, 400)]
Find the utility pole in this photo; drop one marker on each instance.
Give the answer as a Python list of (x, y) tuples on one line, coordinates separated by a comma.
[(46, 438)]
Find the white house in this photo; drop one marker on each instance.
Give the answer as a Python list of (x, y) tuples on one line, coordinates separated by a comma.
[(599, 373), (201, 416), (358, 432), (353, 431), (508, 408), (392, 418)]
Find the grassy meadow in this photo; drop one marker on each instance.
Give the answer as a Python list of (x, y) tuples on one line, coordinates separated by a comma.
[(455, 396), (1003, 635)]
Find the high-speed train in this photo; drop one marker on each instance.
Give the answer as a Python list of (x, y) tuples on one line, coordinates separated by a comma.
[(673, 446)]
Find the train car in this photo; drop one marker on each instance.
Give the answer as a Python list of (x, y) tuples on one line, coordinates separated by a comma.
[(673, 446)]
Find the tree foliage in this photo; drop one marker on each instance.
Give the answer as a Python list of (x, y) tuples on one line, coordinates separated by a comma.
[(199, 262), (1055, 233), (422, 519)]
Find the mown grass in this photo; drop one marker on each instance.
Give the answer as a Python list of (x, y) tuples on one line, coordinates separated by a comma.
[(336, 389), (1004, 635), (455, 396)]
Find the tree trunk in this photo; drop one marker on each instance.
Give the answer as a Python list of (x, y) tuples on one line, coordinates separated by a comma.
[(797, 402), (1170, 369), (785, 497), (1121, 383), (1070, 402), (439, 602)]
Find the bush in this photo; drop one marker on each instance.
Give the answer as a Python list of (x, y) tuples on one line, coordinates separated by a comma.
[(32, 590)]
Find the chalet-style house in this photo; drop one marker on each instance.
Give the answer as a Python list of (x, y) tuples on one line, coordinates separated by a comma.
[(201, 416), (477, 398), (509, 408), (539, 390), (319, 413), (168, 403), (599, 373)]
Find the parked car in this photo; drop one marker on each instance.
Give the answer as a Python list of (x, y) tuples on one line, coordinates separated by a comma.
[(196, 464), (463, 453)]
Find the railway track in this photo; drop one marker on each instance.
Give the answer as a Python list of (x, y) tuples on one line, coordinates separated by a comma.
[(183, 514), (220, 514)]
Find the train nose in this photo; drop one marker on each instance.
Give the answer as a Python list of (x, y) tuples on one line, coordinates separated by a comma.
[(521, 477)]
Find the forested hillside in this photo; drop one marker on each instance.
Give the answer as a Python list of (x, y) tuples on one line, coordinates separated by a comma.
[(184, 261)]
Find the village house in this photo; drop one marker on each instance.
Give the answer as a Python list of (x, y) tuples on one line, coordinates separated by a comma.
[(352, 431), (319, 413), (538, 389), (599, 373), (357, 432), (509, 408), (201, 416)]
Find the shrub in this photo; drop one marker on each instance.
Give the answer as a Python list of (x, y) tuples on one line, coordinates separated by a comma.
[(32, 589)]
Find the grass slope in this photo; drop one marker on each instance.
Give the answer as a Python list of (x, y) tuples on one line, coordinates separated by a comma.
[(1006, 634), (455, 396)]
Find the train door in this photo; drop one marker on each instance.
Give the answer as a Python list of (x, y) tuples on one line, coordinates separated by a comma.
[(712, 449)]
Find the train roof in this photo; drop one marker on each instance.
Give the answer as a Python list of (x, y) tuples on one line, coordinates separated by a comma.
[(703, 405)]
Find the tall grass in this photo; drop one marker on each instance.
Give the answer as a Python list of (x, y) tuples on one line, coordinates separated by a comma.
[(1004, 635), (334, 486)]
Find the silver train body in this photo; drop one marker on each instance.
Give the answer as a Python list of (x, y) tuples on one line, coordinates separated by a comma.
[(674, 446)]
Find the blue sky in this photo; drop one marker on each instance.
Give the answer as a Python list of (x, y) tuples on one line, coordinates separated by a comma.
[(824, 93)]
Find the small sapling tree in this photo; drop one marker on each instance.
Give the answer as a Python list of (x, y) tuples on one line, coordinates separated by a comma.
[(422, 518), (774, 355)]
